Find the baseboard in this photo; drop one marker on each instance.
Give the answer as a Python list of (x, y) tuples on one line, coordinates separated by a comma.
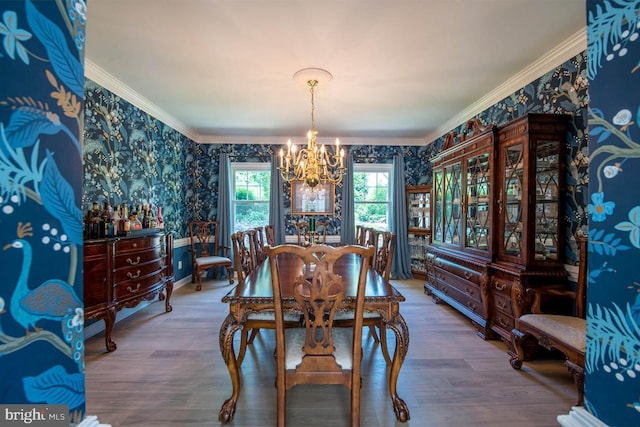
[(579, 417), (92, 421)]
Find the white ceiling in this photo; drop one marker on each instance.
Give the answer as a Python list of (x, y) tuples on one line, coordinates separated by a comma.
[(404, 72)]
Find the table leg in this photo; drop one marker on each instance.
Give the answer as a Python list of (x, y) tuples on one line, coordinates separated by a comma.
[(399, 327), (227, 331)]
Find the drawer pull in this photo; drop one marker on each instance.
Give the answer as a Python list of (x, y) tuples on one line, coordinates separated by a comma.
[(133, 276), (468, 291), (135, 245), (471, 306), (133, 290), (501, 287), (501, 305), (136, 262), (467, 275)]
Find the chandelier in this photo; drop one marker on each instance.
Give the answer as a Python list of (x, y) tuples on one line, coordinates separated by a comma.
[(312, 165)]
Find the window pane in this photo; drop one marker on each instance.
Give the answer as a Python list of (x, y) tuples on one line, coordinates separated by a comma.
[(250, 215), (372, 198), (251, 193), (252, 185)]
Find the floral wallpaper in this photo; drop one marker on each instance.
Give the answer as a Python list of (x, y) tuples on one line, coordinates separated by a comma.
[(613, 312), (41, 116), (131, 157)]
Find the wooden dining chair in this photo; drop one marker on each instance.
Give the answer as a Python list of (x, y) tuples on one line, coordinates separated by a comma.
[(244, 252), (384, 253), (322, 229), (361, 235), (318, 353), (206, 253), (382, 259), (270, 235), (259, 242), (564, 333), (246, 261), (302, 230)]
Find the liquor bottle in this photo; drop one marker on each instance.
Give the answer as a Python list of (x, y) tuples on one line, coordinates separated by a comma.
[(146, 218), (160, 220), (153, 219), (116, 220), (105, 220), (125, 218)]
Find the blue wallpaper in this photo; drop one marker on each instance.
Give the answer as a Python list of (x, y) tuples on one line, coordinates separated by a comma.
[(131, 157), (613, 318), (41, 114)]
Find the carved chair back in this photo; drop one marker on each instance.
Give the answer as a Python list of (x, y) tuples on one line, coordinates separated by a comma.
[(206, 253), (317, 353), (244, 253), (270, 235), (384, 253)]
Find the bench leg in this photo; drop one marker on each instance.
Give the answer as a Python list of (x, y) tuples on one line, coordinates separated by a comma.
[(578, 377)]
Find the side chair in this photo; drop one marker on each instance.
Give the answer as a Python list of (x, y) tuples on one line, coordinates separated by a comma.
[(244, 251), (318, 353), (206, 253), (382, 260), (564, 333), (270, 235), (259, 242)]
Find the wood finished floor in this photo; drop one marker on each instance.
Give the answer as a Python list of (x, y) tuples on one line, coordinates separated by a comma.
[(168, 371)]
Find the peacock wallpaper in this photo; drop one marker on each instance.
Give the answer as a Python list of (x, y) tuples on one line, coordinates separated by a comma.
[(41, 120), (613, 300)]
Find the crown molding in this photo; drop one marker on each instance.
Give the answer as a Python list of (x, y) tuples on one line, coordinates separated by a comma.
[(106, 80), (566, 50), (275, 140)]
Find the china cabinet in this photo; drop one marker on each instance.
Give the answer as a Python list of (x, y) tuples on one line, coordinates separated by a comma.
[(122, 272), (530, 208), (497, 219), (419, 227), (462, 243)]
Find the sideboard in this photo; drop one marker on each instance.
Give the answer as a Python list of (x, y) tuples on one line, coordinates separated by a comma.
[(122, 272)]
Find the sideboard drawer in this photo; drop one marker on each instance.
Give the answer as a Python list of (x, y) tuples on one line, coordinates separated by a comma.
[(134, 288)]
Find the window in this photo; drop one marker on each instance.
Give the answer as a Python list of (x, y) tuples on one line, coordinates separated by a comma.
[(251, 193), (372, 188)]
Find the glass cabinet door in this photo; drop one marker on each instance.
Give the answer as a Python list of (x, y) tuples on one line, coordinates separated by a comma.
[(512, 205), (547, 200), (438, 206), (453, 206), (477, 210), (419, 210)]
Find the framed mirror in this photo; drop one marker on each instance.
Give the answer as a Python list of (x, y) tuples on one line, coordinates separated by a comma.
[(318, 200)]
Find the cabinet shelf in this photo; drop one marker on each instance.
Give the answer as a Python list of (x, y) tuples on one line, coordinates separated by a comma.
[(419, 226)]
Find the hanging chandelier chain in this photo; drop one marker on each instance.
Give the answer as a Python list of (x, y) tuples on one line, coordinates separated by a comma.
[(312, 84)]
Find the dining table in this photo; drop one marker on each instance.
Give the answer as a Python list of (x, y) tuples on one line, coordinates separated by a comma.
[(254, 294)]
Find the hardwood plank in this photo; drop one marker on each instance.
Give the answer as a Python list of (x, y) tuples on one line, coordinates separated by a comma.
[(168, 371)]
